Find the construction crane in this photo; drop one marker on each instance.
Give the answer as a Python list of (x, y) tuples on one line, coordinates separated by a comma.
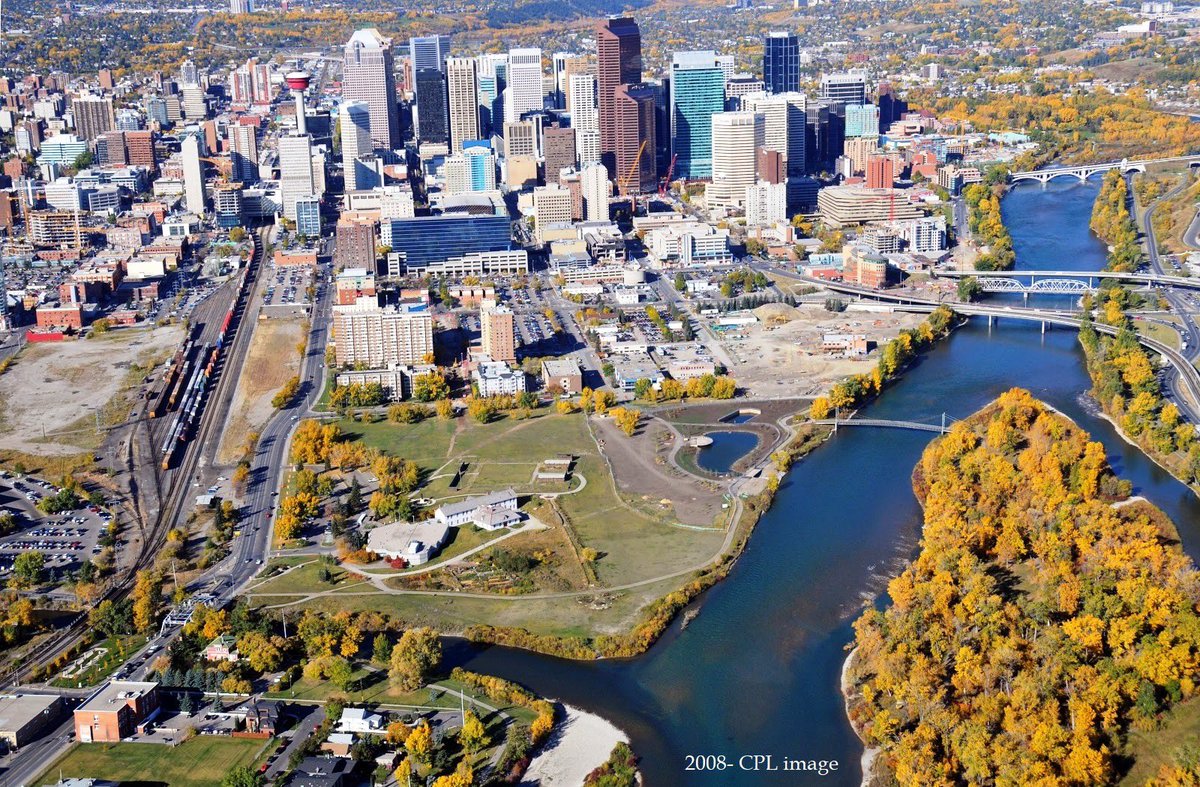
[(666, 182), (623, 184)]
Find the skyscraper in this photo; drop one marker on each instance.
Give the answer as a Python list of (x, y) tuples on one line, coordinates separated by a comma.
[(781, 63), (881, 171), (429, 52), (432, 121), (355, 123), (862, 120), (558, 148), (697, 93), (462, 87), (618, 62), (596, 190), (633, 131), (192, 148), (368, 76), (562, 63), (525, 89), (736, 137), (498, 332), (241, 6), (295, 172), (584, 117), (243, 152), (846, 88), (785, 119)]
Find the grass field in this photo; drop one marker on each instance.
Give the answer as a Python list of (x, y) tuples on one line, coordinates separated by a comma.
[(271, 360), (199, 762), (118, 648), (1152, 750)]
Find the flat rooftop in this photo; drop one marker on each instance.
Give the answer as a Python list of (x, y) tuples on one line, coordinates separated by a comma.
[(17, 710), (115, 694)]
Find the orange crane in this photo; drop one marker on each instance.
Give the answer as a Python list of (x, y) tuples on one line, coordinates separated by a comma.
[(623, 184)]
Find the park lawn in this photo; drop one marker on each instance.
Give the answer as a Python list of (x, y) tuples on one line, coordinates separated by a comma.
[(634, 545), (305, 579), (199, 762), (1158, 332), (426, 443), (1156, 748), (566, 617)]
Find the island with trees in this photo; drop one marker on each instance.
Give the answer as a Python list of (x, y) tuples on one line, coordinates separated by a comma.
[(1048, 618)]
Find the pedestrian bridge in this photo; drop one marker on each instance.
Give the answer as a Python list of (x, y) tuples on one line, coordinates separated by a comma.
[(880, 423), (1092, 279), (1085, 171)]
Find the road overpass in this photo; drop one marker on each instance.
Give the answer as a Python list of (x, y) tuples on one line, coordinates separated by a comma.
[(1085, 171)]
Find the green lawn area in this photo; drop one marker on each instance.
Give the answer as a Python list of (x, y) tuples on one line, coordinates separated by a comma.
[(119, 649), (1154, 330), (425, 443), (199, 762), (1151, 750)]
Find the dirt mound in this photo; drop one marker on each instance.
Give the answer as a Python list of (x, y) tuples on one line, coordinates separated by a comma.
[(776, 313)]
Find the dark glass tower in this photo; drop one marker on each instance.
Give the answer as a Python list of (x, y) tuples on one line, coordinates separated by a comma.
[(781, 63)]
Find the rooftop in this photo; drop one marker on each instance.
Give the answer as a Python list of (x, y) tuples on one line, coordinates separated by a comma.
[(472, 503), (115, 694), (17, 710)]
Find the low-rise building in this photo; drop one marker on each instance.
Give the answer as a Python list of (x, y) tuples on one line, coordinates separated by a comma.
[(462, 512), (25, 717), (563, 372), (115, 711), (496, 378), (360, 720), (416, 543), (223, 648), (847, 344), (628, 369)]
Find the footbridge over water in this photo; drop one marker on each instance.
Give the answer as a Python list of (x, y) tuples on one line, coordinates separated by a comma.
[(1054, 282), (880, 423), (1085, 171)]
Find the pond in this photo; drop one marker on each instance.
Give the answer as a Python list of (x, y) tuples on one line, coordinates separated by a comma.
[(726, 448)]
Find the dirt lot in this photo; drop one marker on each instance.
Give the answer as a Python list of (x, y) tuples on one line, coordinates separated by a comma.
[(786, 360), (271, 361), (58, 386), (642, 471)]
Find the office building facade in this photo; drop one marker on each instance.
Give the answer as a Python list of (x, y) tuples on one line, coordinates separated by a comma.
[(618, 62), (697, 93), (462, 90), (781, 63), (433, 122), (368, 76), (736, 137)]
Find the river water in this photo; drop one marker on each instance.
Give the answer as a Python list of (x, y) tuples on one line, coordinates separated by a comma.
[(757, 672)]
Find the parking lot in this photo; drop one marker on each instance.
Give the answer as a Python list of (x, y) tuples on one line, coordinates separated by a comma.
[(66, 539), (287, 289)]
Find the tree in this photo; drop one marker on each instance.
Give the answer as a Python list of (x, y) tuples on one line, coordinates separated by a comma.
[(340, 673), (147, 590), (259, 651), (420, 742), (969, 289), (430, 387), (463, 776), (680, 282), (101, 326), (112, 618), (381, 649), (415, 658), (242, 776), (28, 568), (472, 736), (627, 419)]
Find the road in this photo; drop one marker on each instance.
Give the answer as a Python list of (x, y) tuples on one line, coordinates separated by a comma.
[(33, 758)]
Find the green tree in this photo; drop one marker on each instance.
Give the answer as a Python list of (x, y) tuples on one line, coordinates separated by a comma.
[(242, 776), (969, 289), (415, 658), (28, 568)]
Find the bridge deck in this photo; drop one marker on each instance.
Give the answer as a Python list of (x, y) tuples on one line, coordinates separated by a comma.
[(882, 424)]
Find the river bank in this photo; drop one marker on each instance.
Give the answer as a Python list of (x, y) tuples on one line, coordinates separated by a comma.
[(581, 743)]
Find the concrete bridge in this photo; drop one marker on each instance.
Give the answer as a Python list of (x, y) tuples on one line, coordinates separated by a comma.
[(1059, 278), (1085, 171), (1187, 372)]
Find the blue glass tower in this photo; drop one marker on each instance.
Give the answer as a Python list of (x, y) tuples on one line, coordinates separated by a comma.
[(781, 63), (697, 92)]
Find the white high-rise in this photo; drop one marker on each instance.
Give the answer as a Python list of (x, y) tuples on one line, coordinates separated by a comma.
[(356, 139), (736, 136), (295, 172), (766, 204), (525, 88), (585, 118), (596, 189), (561, 61), (193, 173), (462, 89), (784, 126)]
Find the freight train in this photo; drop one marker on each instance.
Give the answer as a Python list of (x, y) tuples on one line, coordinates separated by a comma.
[(188, 380)]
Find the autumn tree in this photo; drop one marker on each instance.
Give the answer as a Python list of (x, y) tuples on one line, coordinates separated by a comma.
[(415, 658)]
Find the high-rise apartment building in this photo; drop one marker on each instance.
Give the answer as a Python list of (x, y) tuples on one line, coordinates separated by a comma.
[(139, 149), (881, 171), (597, 189), (241, 6), (781, 63), (736, 137), (697, 93), (428, 52), (585, 117), (355, 121), (378, 337), (356, 241), (432, 120), (618, 62), (525, 90), (552, 205), (846, 88), (243, 152), (520, 139), (472, 170), (368, 76), (295, 172), (462, 87), (93, 116), (634, 134), (498, 332)]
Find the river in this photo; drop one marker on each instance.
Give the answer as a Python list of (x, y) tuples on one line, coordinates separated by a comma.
[(757, 671)]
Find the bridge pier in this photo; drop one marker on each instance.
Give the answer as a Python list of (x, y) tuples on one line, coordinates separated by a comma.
[(1043, 327), (990, 318)]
